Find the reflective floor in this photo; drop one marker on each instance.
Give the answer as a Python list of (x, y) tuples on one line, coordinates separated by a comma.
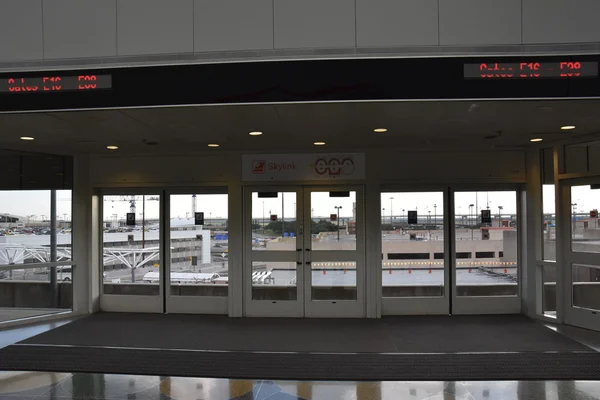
[(43, 385)]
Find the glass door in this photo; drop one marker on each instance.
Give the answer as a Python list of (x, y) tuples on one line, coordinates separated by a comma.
[(273, 253), (334, 252), (581, 269), (304, 252), (132, 254)]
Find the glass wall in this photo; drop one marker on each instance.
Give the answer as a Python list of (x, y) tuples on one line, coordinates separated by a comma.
[(412, 234), (199, 245), (131, 244), (487, 261), (28, 238), (585, 232)]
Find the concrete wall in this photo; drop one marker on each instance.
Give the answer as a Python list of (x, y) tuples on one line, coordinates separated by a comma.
[(101, 30), (21, 294)]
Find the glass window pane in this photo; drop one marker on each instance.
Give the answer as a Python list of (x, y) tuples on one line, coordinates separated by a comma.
[(549, 223), (586, 286), (333, 280), (412, 229), (199, 253), (585, 232), (333, 220), (274, 221), (274, 280), (131, 244), (486, 248), (549, 292)]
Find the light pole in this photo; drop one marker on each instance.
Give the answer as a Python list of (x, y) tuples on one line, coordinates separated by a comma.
[(391, 212), (338, 208), (383, 215), (263, 219), (403, 214), (470, 213), (500, 208), (435, 214)]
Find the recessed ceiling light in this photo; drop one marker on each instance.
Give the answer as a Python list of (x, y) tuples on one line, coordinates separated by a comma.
[(319, 143), (26, 138), (536, 140), (112, 147), (255, 133), (567, 127), (380, 130), (213, 145)]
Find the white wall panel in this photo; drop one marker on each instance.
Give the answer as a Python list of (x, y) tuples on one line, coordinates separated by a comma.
[(224, 25), (21, 30), (480, 22), (561, 21), (155, 26), (314, 24), (79, 28), (390, 23)]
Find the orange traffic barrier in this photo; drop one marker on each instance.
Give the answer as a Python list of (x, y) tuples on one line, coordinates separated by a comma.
[(429, 270), (390, 271), (410, 271), (324, 272)]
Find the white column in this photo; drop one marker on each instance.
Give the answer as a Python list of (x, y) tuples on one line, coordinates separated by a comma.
[(85, 237)]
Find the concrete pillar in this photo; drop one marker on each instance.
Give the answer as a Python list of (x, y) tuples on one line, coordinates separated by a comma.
[(85, 236)]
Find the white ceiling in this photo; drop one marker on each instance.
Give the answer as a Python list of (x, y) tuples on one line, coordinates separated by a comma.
[(294, 127)]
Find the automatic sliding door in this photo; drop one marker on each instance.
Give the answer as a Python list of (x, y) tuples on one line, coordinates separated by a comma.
[(334, 252), (273, 252)]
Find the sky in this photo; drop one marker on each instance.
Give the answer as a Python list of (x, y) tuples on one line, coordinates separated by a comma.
[(36, 204)]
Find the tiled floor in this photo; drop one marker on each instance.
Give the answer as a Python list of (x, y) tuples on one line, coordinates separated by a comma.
[(41, 385)]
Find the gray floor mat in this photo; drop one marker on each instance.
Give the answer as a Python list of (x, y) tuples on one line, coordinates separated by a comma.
[(244, 365), (435, 334)]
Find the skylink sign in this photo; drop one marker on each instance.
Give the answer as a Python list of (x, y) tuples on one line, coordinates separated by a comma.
[(303, 167)]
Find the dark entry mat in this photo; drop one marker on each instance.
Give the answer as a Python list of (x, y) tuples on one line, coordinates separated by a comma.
[(244, 365), (428, 334)]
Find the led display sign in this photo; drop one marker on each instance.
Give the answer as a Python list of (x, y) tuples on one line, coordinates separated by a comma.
[(54, 83), (531, 70)]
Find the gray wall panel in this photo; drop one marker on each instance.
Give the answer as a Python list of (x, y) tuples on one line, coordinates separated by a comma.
[(79, 28), (223, 25), (21, 30), (390, 23), (561, 21), (480, 22), (155, 26), (314, 24)]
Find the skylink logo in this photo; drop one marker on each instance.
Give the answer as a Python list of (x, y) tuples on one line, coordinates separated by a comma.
[(282, 166)]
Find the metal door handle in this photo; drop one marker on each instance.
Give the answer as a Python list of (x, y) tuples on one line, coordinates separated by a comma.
[(298, 256), (307, 256)]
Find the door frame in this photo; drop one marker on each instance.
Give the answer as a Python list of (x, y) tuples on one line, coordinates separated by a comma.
[(131, 303), (577, 316), (301, 307)]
